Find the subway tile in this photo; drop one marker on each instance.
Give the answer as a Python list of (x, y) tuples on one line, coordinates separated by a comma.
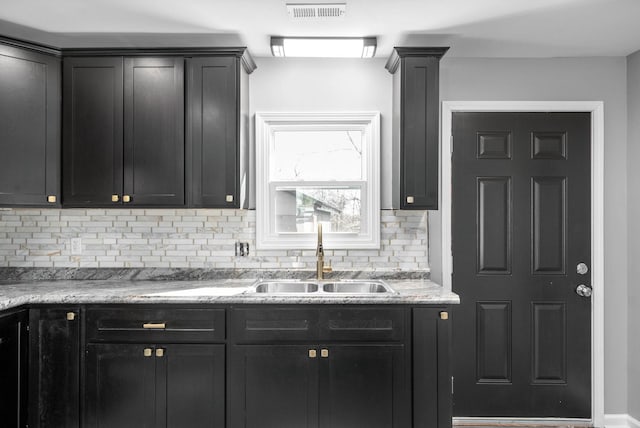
[(188, 238)]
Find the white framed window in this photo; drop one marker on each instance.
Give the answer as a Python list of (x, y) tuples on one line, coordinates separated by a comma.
[(318, 168)]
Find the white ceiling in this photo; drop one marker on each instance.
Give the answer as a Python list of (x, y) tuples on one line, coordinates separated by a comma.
[(478, 28)]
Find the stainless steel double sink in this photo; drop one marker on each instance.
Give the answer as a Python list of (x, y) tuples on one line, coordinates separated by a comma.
[(325, 287)]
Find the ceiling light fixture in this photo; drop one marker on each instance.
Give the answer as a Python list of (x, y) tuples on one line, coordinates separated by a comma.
[(324, 47)]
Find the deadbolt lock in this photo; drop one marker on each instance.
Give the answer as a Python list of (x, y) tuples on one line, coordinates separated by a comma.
[(159, 352), (312, 353), (71, 316), (444, 315), (582, 269), (147, 352), (409, 199), (52, 199), (126, 198), (115, 198), (324, 353)]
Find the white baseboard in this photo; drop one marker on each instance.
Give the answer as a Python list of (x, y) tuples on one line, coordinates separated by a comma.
[(621, 420), (521, 422)]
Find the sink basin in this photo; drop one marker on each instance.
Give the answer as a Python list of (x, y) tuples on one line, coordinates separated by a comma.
[(278, 287), (322, 288), (357, 287)]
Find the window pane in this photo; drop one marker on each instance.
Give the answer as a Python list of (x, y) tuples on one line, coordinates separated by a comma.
[(299, 209), (317, 155)]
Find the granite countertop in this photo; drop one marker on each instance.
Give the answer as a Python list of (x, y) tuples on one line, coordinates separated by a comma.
[(224, 291)]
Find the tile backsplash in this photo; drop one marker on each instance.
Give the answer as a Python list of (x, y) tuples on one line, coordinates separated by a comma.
[(187, 238)]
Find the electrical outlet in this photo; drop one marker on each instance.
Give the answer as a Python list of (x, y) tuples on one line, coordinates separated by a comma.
[(242, 249), (76, 246)]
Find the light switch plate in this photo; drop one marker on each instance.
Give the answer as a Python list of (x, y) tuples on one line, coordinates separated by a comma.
[(76, 246)]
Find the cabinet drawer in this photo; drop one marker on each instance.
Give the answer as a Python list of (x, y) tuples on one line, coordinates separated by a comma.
[(155, 325), (276, 324), (366, 324)]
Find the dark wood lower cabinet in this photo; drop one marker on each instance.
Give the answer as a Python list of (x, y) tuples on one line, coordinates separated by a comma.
[(154, 386), (13, 369), (432, 381), (304, 367), (54, 372), (363, 386), (333, 386), (194, 381), (273, 386), (120, 386)]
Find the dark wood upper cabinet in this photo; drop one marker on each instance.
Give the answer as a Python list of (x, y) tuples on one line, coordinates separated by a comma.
[(29, 127), (415, 126), (124, 131), (217, 122), (93, 109), (154, 131)]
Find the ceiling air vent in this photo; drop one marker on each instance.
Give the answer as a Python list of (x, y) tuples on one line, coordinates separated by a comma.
[(308, 11)]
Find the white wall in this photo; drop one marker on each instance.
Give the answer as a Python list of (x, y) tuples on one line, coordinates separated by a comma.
[(633, 174), (309, 84)]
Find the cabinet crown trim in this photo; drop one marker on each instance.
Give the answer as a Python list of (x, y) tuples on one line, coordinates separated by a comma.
[(35, 47), (402, 52), (239, 52)]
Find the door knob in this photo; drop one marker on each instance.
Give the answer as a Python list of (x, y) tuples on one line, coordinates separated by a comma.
[(583, 290), (582, 269)]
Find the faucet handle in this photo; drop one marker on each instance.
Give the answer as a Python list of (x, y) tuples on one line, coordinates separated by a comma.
[(328, 268)]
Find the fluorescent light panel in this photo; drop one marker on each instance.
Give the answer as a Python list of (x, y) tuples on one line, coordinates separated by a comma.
[(318, 47)]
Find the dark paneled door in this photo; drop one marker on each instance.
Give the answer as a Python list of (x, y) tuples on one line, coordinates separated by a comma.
[(521, 227), (153, 131)]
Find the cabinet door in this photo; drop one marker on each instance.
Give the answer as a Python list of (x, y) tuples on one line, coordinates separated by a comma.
[(363, 387), (194, 379), (29, 128), (212, 132), (92, 173), (55, 368), (431, 368), (273, 387), (13, 370), (120, 386), (154, 131), (419, 133)]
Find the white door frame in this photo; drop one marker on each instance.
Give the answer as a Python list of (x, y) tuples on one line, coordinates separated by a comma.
[(596, 108)]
